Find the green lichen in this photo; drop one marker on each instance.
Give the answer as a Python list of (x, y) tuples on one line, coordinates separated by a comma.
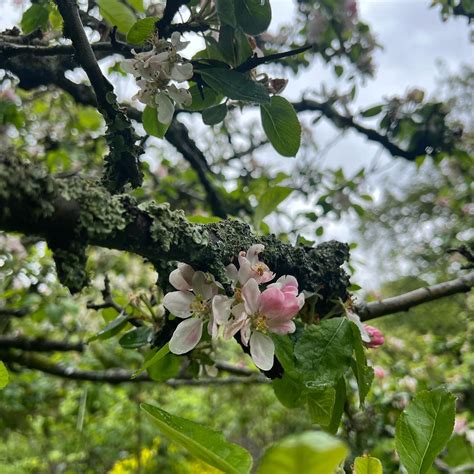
[(71, 265), (101, 214), (170, 229)]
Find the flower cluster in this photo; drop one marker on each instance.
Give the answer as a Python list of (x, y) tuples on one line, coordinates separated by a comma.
[(154, 71), (252, 311)]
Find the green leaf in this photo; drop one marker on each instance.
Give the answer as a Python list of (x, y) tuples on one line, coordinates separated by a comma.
[(311, 452), (204, 219), (151, 124), (363, 373), (35, 17), (281, 124), (115, 13), (214, 115), (320, 401), (269, 201), (424, 428), (367, 465), (284, 351), (372, 111), (152, 359), (135, 338), (141, 30), (338, 409), (166, 368), (324, 351), (202, 99), (4, 377), (137, 5), (235, 85), (253, 17), (202, 442), (288, 390), (225, 12), (113, 328)]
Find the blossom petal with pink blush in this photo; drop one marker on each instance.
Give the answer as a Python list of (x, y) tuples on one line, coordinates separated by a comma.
[(262, 350), (245, 272), (281, 327), (285, 280), (251, 296), (182, 277), (278, 305), (376, 337), (203, 286), (234, 326), (253, 252), (186, 336), (178, 303), (221, 306), (301, 300)]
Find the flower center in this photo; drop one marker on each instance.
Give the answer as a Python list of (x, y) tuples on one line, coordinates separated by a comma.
[(238, 295), (199, 307), (260, 268), (260, 322)]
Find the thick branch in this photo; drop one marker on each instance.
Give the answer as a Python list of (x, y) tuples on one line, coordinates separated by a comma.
[(345, 121), (118, 376), (414, 298), (122, 164)]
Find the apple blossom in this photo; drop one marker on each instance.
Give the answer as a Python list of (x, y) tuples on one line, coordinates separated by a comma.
[(376, 337), (191, 302), (270, 311)]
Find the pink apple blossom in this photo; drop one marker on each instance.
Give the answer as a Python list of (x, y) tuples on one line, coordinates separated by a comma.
[(376, 337), (270, 311), (191, 302)]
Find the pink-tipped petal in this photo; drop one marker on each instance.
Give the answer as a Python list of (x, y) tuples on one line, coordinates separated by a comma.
[(186, 336), (203, 287), (251, 296), (262, 350), (245, 272), (281, 327), (278, 305), (178, 303), (181, 278)]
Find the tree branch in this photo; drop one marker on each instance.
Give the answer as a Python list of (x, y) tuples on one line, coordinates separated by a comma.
[(344, 122), (404, 302), (118, 376), (39, 344), (122, 163)]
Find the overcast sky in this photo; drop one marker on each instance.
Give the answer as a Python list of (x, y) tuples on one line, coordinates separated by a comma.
[(414, 40)]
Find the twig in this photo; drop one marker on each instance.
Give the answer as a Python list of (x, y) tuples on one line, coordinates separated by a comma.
[(255, 61), (39, 344), (404, 302), (118, 376)]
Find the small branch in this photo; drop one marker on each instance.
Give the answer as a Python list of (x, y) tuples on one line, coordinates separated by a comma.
[(255, 61), (13, 313), (344, 122), (163, 25), (122, 164), (11, 49), (39, 345), (118, 376), (467, 253), (404, 302)]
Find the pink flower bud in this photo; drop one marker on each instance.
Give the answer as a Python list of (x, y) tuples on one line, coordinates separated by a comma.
[(376, 337)]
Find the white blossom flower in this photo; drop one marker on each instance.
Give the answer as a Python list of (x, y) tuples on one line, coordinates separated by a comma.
[(191, 302)]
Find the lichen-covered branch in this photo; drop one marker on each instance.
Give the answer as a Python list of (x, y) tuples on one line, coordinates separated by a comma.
[(122, 162), (404, 302), (73, 213)]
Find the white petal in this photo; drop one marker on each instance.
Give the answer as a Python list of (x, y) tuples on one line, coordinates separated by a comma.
[(245, 271), (178, 303), (186, 336), (245, 332), (182, 277), (262, 350), (253, 252), (221, 305), (251, 296), (165, 108), (231, 272), (180, 96), (203, 287), (128, 65), (182, 72)]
